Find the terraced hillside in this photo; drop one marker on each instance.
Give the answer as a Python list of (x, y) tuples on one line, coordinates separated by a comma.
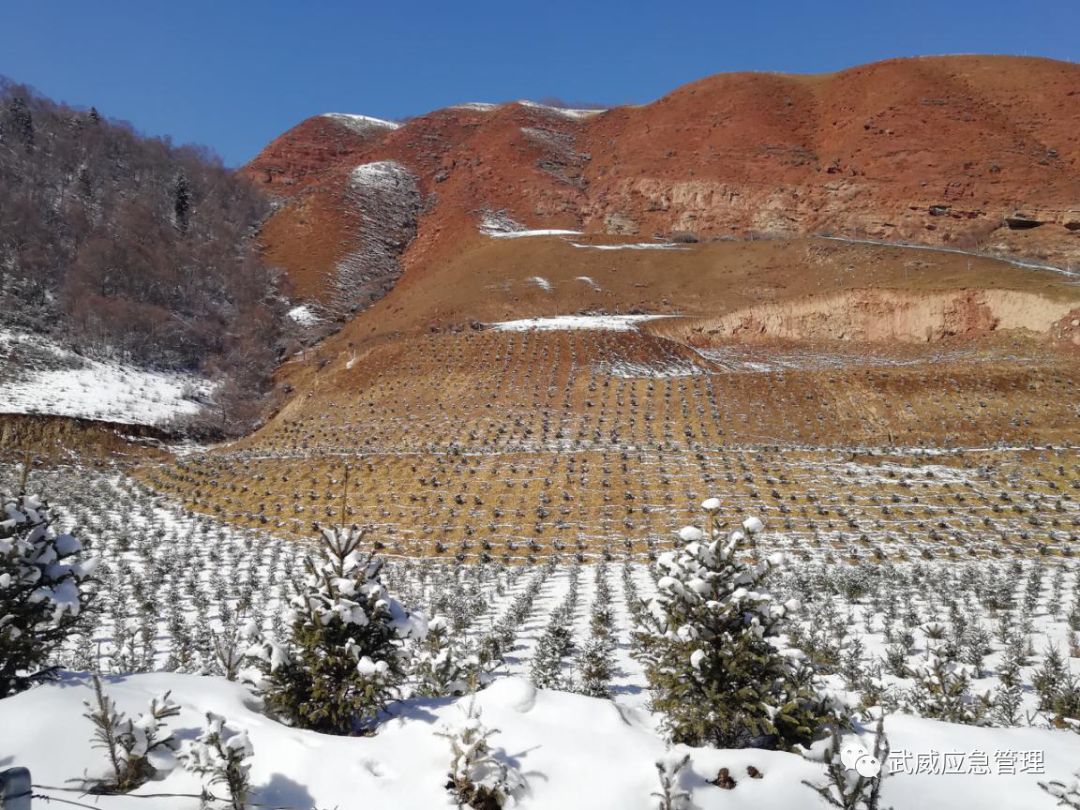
[(512, 419)]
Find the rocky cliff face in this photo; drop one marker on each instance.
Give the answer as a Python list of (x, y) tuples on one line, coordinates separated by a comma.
[(979, 153)]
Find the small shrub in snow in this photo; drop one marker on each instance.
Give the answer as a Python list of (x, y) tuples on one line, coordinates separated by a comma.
[(1068, 795), (671, 796), (344, 659), (439, 669), (229, 647), (478, 779), (556, 642), (941, 692), (43, 591), (713, 671), (595, 668), (1009, 697), (1058, 689), (136, 749), (222, 757), (851, 787)]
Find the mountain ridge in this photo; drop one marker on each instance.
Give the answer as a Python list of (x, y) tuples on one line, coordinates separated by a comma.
[(950, 150)]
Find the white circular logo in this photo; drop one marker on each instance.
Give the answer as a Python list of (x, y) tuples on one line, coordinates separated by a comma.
[(858, 759), (850, 754), (867, 766)]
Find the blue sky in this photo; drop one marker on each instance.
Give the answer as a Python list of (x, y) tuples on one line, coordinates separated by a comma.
[(233, 74)]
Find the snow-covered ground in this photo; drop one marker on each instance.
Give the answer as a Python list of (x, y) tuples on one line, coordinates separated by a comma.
[(614, 323), (183, 570), (632, 246), (304, 315), (567, 112), (478, 106), (525, 232), (499, 225), (574, 751), (361, 124), (67, 384), (382, 174), (660, 370)]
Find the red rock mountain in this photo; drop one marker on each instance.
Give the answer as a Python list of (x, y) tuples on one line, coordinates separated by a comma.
[(980, 152)]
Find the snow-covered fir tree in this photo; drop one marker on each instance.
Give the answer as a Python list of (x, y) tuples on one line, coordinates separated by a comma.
[(439, 668), (1067, 793), (556, 641), (1009, 697), (595, 668), (941, 691), (713, 671), (477, 778), (671, 795), (44, 591), (222, 756), (344, 658), (135, 749), (846, 787)]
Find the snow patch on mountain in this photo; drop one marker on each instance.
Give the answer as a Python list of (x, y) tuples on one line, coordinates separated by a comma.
[(499, 225), (361, 124), (383, 174), (47, 379), (563, 111), (304, 315), (567, 112), (626, 369), (479, 106), (387, 196), (614, 323), (632, 246), (536, 232)]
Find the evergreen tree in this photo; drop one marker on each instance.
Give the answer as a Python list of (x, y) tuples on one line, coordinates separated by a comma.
[(439, 670), (343, 661), (43, 591), (671, 795), (941, 692), (546, 669), (848, 788), (182, 202), (595, 668), (1049, 678), (713, 671), (1009, 697), (1068, 795), (18, 123), (132, 746), (222, 756), (556, 641), (478, 779)]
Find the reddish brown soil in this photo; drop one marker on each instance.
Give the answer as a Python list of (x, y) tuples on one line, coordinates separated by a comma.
[(937, 150)]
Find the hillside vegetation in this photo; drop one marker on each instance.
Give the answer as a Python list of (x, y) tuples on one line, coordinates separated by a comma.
[(132, 249)]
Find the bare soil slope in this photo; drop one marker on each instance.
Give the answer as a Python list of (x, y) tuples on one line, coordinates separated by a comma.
[(471, 436), (976, 151)]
